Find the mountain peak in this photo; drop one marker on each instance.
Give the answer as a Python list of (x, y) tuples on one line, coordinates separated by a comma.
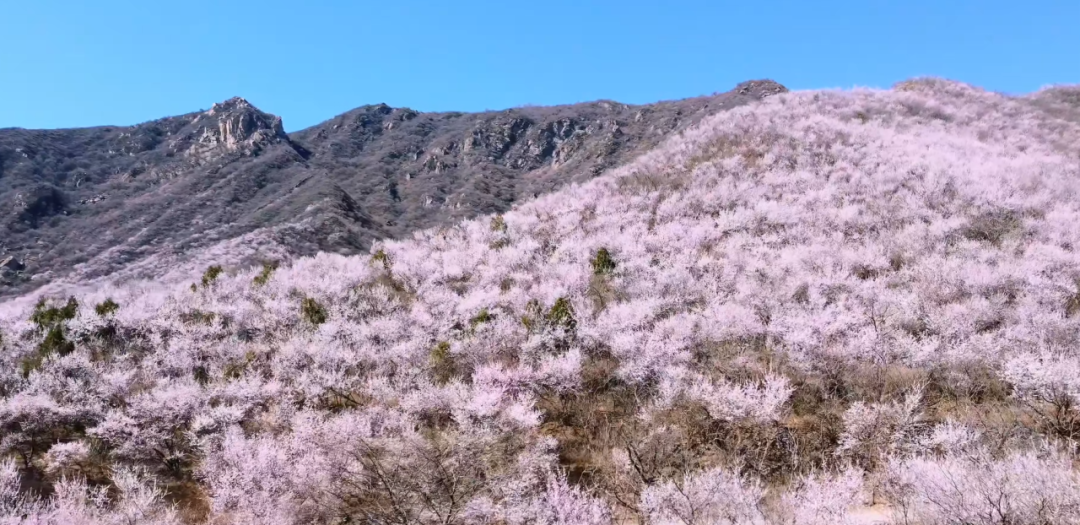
[(760, 88), (232, 104), (235, 124)]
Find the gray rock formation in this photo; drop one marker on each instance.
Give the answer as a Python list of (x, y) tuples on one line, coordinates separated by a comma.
[(11, 264), (11, 271)]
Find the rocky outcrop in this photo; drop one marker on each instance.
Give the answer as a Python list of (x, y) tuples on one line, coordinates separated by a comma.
[(231, 126), (11, 264), (39, 203), (760, 88), (11, 271)]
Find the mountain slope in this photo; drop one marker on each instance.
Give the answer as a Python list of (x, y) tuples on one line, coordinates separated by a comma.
[(97, 200), (764, 320)]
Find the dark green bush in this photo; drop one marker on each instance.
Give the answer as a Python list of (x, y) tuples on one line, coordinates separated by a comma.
[(55, 342), (532, 315), (602, 263), (264, 276), (443, 366), (52, 322), (198, 317), (235, 369), (383, 258), (45, 316), (106, 307), (480, 318), (30, 363), (562, 314), (312, 311), (211, 275)]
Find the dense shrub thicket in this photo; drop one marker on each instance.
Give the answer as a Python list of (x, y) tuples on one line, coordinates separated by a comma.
[(830, 307)]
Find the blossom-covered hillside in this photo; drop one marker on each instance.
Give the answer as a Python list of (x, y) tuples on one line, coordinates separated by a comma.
[(829, 307)]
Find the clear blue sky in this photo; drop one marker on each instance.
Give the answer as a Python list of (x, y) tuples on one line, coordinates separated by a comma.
[(66, 63)]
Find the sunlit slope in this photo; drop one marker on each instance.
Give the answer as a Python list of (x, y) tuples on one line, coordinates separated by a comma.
[(797, 310)]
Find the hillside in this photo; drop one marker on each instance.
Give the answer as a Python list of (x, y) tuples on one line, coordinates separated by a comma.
[(80, 204), (828, 307)]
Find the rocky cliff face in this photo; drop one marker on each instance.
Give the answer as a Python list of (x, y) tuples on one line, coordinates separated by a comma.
[(98, 199), (231, 126)]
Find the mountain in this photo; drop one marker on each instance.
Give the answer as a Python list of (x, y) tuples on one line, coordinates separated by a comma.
[(85, 203), (857, 307)]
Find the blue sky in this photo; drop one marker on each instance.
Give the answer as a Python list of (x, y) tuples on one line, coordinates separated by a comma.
[(67, 63)]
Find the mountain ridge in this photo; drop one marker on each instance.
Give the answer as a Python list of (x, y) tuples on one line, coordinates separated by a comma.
[(101, 198)]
